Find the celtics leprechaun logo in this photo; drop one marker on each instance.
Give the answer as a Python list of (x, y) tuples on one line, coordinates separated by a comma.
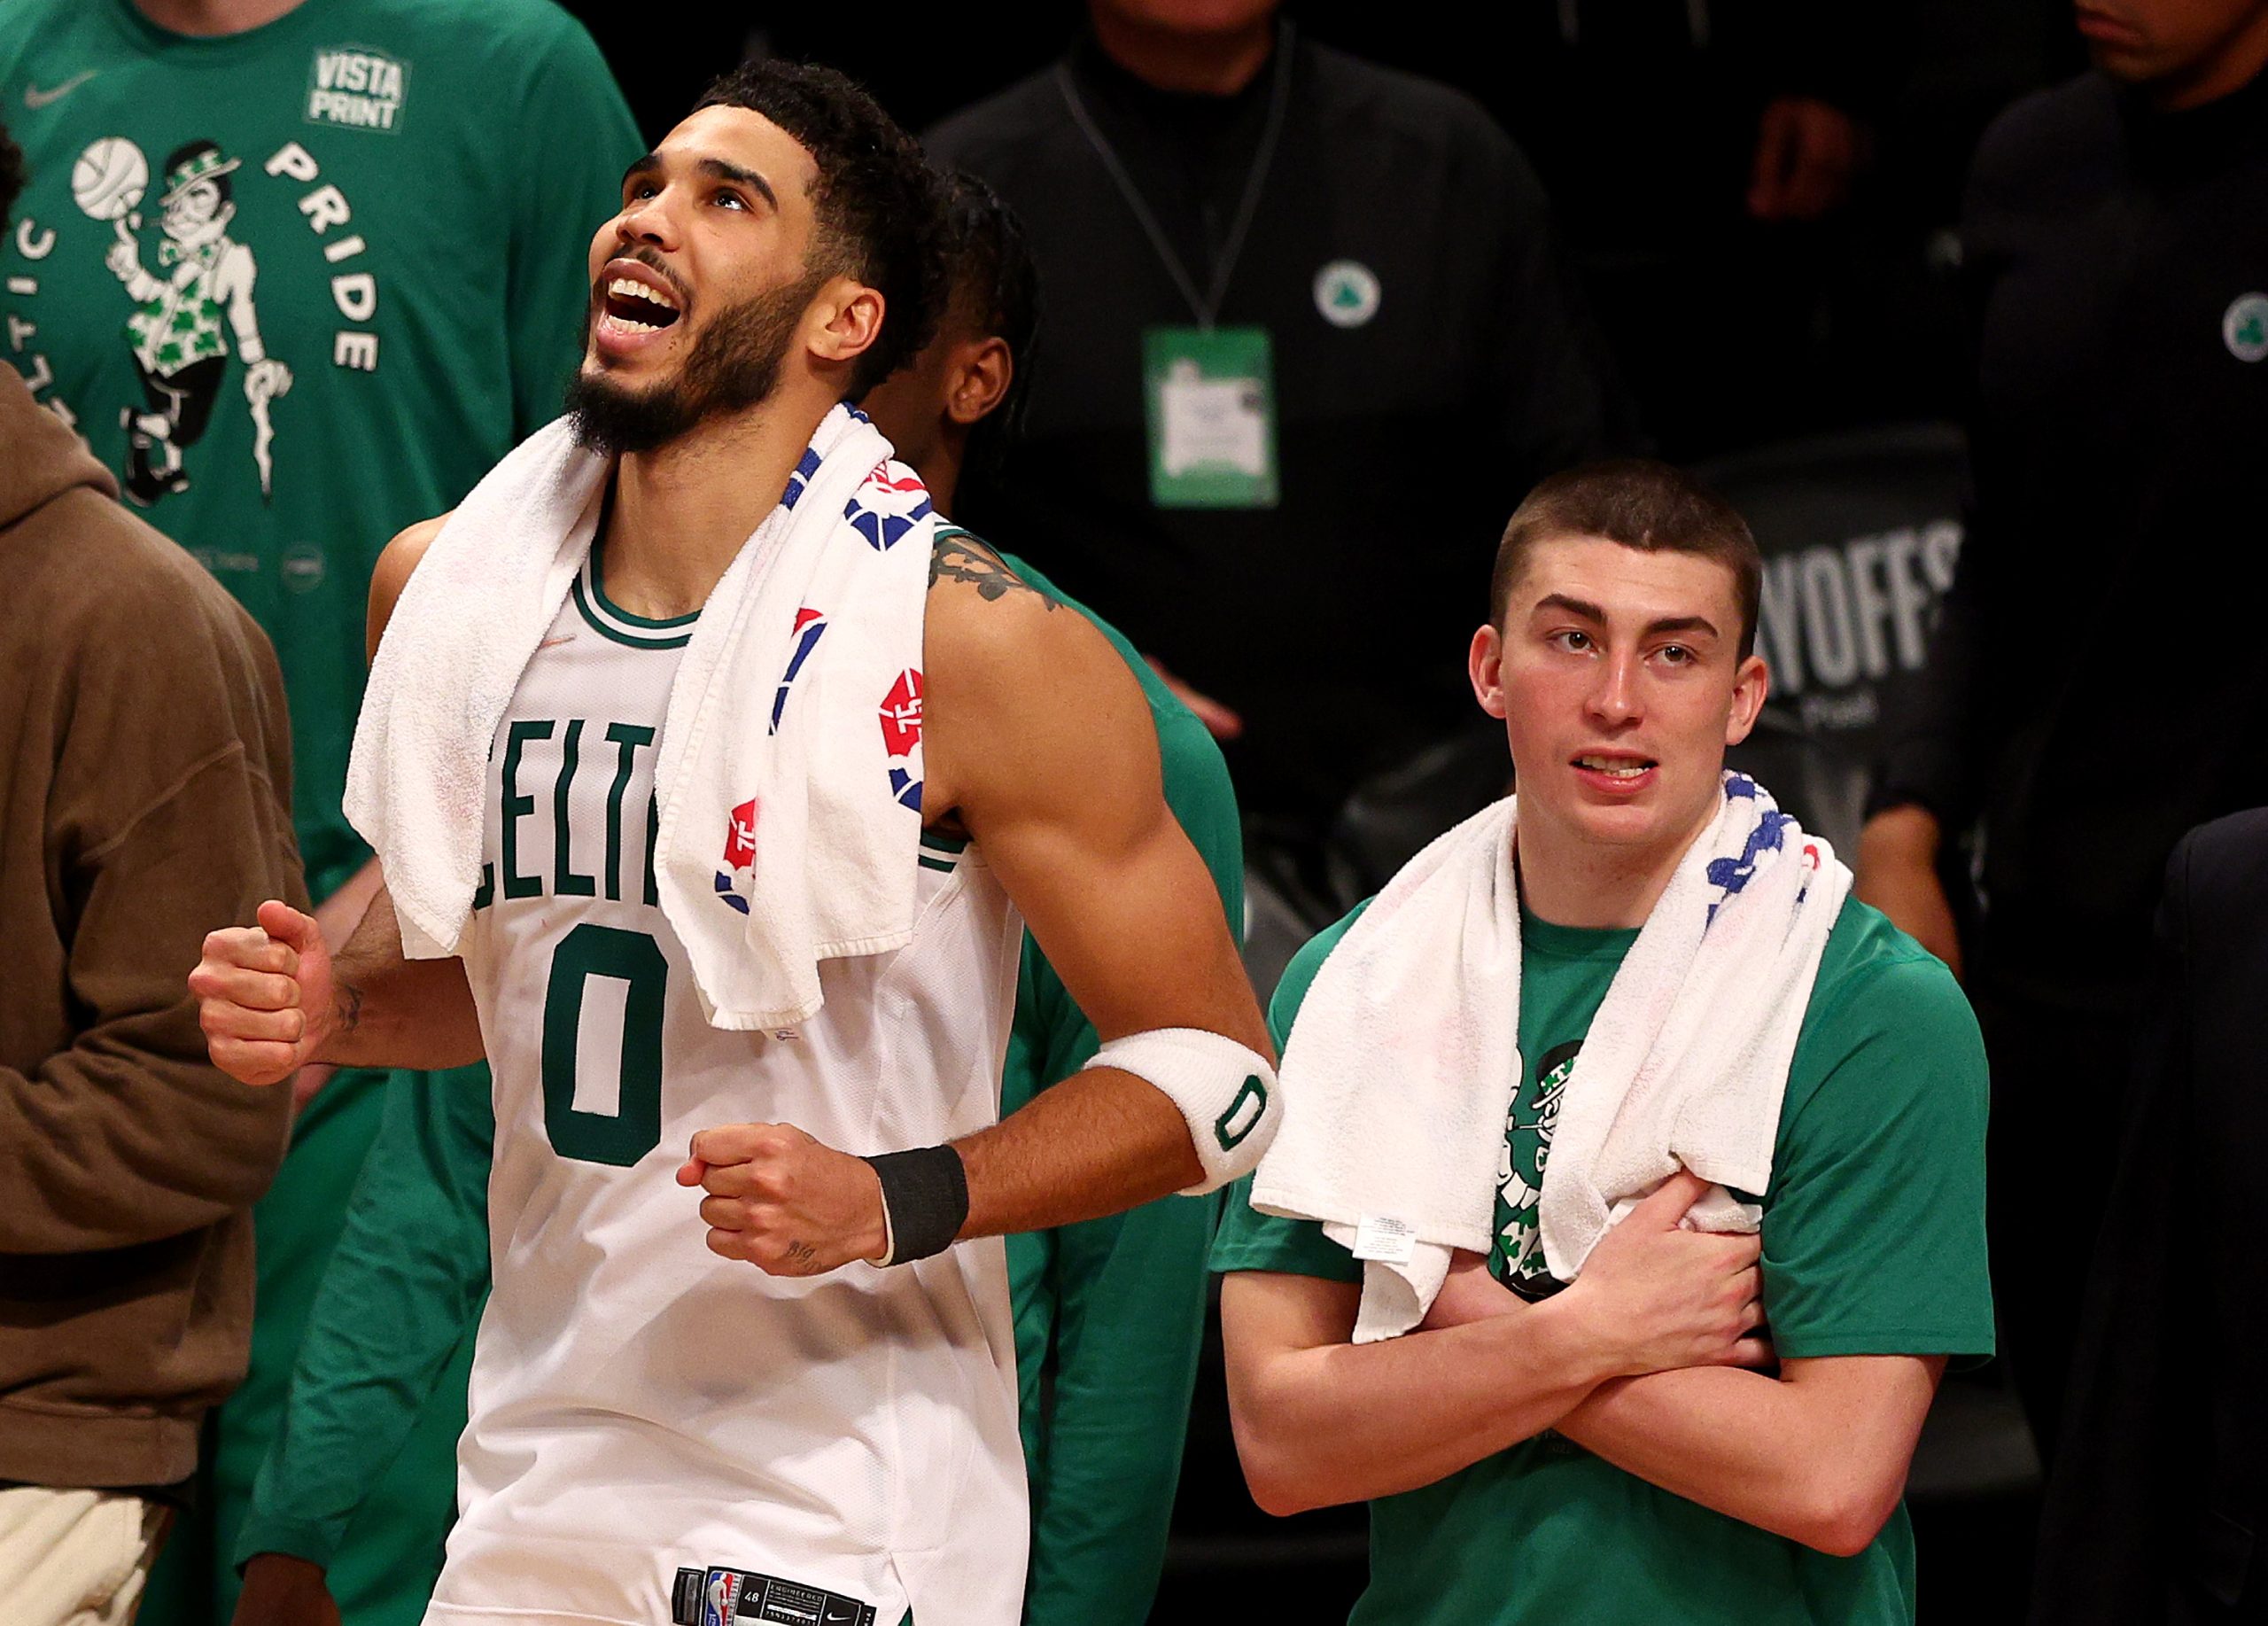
[(189, 313), (1518, 1250)]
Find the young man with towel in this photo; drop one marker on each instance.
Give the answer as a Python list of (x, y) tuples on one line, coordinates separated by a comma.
[(1657, 995), (696, 626)]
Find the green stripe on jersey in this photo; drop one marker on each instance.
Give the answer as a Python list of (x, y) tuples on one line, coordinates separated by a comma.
[(607, 626)]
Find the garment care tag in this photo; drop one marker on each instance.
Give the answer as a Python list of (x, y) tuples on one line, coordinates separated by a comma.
[(1389, 1241), (1211, 395)]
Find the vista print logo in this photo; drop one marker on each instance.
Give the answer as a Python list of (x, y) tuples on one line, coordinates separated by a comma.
[(357, 89)]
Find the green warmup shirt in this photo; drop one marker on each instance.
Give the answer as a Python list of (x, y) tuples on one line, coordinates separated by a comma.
[(1108, 1314), (1874, 1244), (299, 287)]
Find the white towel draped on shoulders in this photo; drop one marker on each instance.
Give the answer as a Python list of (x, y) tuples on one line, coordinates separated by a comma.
[(1399, 1070), (789, 774)]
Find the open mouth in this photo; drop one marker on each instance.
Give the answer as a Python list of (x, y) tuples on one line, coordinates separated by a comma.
[(1616, 767), (636, 305)]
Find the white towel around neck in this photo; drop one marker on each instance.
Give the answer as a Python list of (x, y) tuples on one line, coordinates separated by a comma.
[(1400, 1069), (835, 786)]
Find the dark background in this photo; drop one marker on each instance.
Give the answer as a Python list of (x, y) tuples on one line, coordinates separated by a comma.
[(1865, 328)]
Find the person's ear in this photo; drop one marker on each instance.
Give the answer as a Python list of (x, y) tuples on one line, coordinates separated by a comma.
[(982, 371), (842, 319), (1751, 684), (1485, 664)]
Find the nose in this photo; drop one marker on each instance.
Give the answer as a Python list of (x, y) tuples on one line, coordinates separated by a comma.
[(647, 220), (1612, 700)]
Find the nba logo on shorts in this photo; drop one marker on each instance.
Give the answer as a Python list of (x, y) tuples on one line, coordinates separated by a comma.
[(739, 854), (722, 1596)]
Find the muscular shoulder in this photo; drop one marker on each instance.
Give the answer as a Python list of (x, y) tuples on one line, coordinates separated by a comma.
[(395, 565), (994, 639), (1014, 677)]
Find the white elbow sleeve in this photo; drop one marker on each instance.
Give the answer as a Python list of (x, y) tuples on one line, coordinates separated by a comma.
[(1227, 1091)]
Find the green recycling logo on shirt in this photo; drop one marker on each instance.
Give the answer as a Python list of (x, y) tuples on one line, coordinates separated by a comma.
[(1516, 1257), (1347, 293), (2244, 327)]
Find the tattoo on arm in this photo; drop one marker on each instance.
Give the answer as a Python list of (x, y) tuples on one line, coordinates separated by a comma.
[(350, 1007), (959, 556)]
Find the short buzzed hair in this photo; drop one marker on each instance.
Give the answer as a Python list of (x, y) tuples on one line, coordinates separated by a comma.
[(1639, 503)]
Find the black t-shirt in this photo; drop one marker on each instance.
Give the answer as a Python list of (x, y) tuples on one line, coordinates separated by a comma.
[(1335, 622), (2096, 687)]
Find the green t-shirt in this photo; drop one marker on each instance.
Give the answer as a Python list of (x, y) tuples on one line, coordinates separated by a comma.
[(302, 287), (1874, 1244)]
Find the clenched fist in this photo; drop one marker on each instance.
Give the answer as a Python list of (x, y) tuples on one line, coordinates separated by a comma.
[(265, 995), (783, 1202)]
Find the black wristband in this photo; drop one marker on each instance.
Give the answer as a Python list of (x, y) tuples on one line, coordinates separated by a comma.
[(925, 1194)]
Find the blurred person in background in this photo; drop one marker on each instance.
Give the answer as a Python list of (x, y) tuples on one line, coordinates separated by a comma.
[(1699, 155), (1309, 335), (2087, 700), (1108, 1313), (301, 272), (147, 784), (2155, 1507)]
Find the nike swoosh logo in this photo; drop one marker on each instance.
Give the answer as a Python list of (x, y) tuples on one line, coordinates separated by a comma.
[(553, 642), (36, 99)]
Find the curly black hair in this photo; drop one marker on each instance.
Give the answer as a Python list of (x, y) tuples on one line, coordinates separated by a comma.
[(13, 175), (876, 199), (988, 265)]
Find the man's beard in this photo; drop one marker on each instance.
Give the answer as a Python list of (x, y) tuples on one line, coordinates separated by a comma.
[(734, 365)]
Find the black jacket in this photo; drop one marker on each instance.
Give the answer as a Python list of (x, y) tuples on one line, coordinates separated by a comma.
[(2096, 686), (1337, 621), (2160, 1483)]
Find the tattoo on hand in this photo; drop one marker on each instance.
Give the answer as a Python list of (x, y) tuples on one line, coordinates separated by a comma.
[(803, 1256), (959, 556)]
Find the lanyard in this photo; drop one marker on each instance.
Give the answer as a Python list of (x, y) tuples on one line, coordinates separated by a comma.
[(1208, 306)]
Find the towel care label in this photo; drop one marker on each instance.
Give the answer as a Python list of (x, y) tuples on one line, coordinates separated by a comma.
[(1389, 1241)]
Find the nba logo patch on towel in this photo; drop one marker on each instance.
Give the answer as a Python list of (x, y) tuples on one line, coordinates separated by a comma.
[(740, 856), (901, 720)]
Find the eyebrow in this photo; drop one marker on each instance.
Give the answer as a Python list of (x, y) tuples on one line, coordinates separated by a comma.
[(715, 168), (1653, 629)]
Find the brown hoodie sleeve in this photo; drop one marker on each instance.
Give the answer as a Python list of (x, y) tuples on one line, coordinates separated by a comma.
[(167, 815)]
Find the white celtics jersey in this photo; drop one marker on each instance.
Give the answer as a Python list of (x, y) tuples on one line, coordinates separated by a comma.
[(640, 1406)]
